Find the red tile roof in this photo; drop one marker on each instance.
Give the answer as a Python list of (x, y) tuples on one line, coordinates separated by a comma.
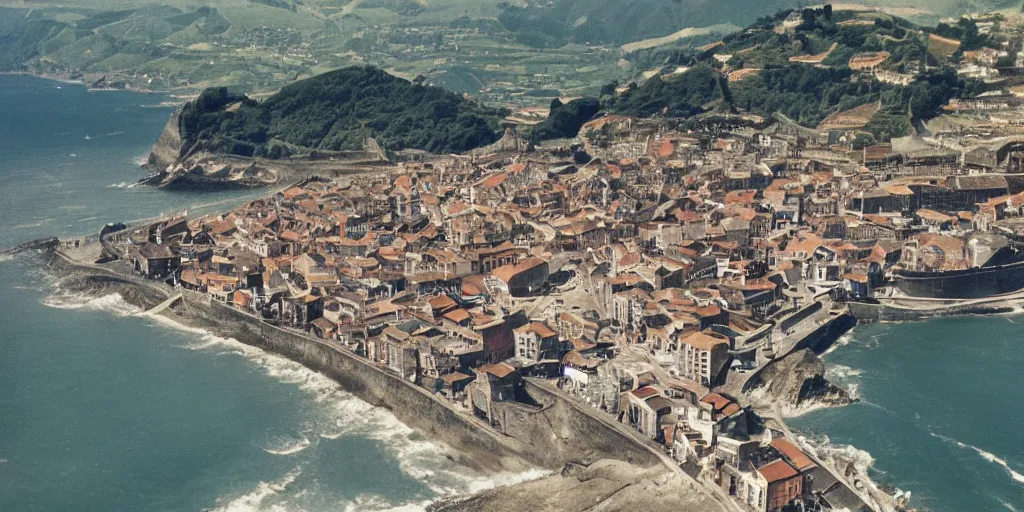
[(777, 471)]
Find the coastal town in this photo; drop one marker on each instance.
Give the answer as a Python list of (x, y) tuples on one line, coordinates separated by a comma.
[(655, 290), (669, 281)]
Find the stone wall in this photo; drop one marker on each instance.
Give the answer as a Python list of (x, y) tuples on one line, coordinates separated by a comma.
[(558, 432), (867, 313), (550, 436), (475, 445), (561, 431)]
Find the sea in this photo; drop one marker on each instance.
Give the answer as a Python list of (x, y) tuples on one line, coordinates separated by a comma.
[(940, 411), (103, 409)]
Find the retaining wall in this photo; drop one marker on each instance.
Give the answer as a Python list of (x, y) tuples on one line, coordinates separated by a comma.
[(550, 437), (561, 431)]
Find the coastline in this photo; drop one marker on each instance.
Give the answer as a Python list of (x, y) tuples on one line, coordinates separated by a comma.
[(852, 463), (65, 78), (858, 462), (473, 444)]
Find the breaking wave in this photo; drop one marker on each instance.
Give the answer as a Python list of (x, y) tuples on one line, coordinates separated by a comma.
[(342, 414), (842, 372), (252, 501), (112, 303), (288, 446), (124, 184), (841, 341), (989, 456)]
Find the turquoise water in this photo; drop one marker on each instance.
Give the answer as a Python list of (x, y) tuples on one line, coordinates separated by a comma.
[(104, 410), (941, 411)]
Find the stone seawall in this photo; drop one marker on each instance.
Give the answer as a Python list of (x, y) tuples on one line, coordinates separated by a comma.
[(867, 313), (818, 341), (562, 431), (823, 337), (559, 433), (475, 445)]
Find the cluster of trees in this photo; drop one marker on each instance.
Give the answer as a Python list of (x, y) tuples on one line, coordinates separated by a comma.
[(684, 95), (806, 94), (338, 111), (966, 31), (565, 120)]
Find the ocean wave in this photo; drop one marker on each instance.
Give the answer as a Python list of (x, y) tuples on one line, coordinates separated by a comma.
[(342, 414), (288, 446), (112, 303), (841, 341), (28, 225), (124, 184), (141, 160), (989, 456), (252, 501)]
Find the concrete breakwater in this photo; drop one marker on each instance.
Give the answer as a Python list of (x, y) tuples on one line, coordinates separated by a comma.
[(558, 432), (871, 312)]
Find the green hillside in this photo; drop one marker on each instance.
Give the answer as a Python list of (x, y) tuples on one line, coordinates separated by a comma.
[(337, 111), (799, 64), (497, 50)]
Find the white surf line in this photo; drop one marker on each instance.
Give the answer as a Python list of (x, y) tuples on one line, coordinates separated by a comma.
[(989, 456)]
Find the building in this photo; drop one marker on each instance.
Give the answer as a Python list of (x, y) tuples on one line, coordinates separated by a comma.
[(702, 357), (155, 261), (536, 341), (524, 278), (780, 484)]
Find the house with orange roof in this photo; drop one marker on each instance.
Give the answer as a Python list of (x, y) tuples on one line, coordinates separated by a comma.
[(523, 278)]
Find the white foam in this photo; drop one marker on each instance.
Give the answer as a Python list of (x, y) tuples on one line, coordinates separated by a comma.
[(124, 184), (841, 341), (989, 456), (839, 371), (853, 390), (839, 456), (346, 415), (112, 303), (251, 501), (288, 446), (141, 160)]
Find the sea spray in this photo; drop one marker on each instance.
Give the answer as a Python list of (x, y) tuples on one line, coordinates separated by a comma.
[(252, 501)]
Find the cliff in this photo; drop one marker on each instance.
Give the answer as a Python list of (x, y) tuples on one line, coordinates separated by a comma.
[(167, 148)]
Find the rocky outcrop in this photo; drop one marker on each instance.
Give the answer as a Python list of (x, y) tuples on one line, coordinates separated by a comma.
[(167, 149), (795, 382), (605, 485)]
